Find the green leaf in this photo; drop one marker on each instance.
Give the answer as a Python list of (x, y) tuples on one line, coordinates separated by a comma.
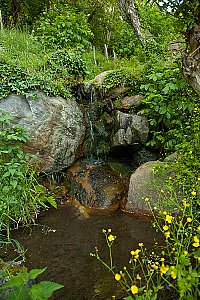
[(40, 189), (5, 189), (43, 290), (34, 273), (52, 201)]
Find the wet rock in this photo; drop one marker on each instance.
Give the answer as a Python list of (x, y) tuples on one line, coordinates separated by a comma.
[(55, 125), (146, 188), (133, 130), (97, 186), (129, 101)]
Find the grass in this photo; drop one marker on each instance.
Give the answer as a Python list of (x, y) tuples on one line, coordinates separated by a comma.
[(20, 49)]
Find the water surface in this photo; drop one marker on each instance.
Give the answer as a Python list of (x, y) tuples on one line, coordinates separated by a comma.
[(63, 241)]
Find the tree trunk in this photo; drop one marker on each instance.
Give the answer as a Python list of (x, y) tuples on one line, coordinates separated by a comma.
[(129, 14), (191, 61)]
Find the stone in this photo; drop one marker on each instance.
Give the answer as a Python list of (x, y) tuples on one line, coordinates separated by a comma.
[(117, 92), (146, 190), (129, 101), (55, 125), (133, 129), (99, 79), (95, 185)]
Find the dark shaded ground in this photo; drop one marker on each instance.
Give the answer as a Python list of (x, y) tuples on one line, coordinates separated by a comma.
[(65, 238)]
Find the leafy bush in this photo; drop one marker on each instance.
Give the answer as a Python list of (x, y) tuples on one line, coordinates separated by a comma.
[(61, 27), (119, 77), (23, 286), (14, 80), (21, 196), (168, 104)]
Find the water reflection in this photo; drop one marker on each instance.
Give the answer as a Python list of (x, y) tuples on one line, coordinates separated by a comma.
[(65, 238)]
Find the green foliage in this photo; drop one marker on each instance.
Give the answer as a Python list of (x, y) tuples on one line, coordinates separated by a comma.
[(168, 103), (19, 12), (22, 286), (14, 80), (21, 196), (61, 27), (187, 10), (120, 77), (19, 48), (67, 63)]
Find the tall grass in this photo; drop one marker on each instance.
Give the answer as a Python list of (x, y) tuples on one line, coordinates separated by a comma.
[(19, 48)]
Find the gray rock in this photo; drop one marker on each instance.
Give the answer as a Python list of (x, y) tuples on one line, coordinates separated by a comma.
[(133, 130), (146, 184), (55, 125), (99, 79)]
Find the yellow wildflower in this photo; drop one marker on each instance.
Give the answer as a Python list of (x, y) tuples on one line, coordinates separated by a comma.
[(138, 277), (117, 277), (109, 230), (185, 204), (140, 244), (196, 241), (136, 252), (134, 289), (164, 213), (165, 227), (193, 193), (163, 269), (199, 178), (169, 218), (162, 259), (198, 228), (154, 267), (167, 234), (111, 238), (173, 274), (189, 220), (146, 199)]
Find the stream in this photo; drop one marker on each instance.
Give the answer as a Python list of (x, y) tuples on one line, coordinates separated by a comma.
[(62, 242)]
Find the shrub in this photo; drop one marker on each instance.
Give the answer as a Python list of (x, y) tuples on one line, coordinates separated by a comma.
[(23, 286), (168, 104), (61, 27), (21, 196)]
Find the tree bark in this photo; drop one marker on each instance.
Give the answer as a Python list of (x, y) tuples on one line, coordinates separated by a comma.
[(191, 61), (129, 13)]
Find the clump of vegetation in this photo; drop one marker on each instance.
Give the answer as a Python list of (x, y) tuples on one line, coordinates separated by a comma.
[(21, 196), (168, 104), (21, 284), (61, 27)]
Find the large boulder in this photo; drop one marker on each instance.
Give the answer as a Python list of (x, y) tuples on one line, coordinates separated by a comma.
[(133, 130), (148, 192), (96, 186), (55, 125)]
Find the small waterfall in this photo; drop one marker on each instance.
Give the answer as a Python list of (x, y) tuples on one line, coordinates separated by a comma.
[(91, 117)]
